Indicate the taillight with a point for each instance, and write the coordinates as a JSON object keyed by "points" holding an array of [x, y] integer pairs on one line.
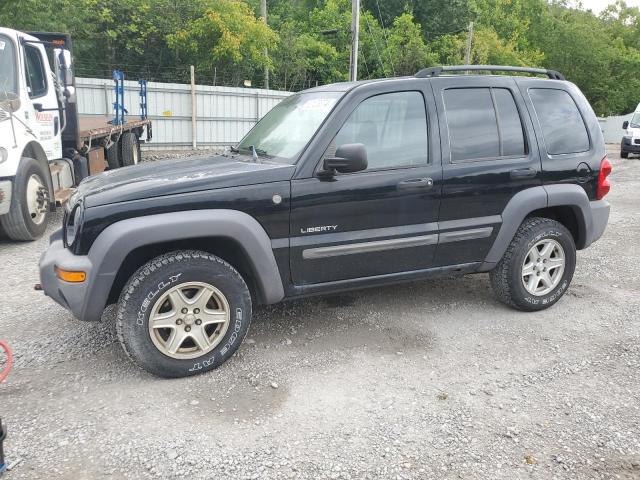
{"points": [[603, 182]]}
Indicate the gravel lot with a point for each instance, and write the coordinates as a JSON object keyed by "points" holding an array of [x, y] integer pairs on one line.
{"points": [[433, 379]]}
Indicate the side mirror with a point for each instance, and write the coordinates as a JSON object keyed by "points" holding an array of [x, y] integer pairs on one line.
{"points": [[9, 102], [349, 158], [625, 124], [64, 72]]}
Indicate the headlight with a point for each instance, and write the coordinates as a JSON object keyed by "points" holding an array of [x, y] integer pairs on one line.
{"points": [[72, 224], [3, 154]]}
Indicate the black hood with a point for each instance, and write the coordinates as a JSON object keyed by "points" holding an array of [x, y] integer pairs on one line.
{"points": [[170, 177]]}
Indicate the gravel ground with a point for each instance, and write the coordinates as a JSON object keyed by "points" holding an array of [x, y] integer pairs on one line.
{"points": [[433, 379]]}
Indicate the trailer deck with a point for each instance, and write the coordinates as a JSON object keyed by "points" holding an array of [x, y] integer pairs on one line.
{"points": [[93, 127]]}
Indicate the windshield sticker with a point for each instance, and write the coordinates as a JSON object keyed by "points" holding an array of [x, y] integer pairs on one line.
{"points": [[2, 44], [317, 104]]}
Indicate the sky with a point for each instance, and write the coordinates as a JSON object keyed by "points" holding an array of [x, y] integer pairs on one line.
{"points": [[598, 5]]}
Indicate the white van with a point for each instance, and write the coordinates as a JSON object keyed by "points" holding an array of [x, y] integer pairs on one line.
{"points": [[631, 139]]}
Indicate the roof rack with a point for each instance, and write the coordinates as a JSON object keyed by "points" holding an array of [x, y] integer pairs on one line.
{"points": [[435, 71]]}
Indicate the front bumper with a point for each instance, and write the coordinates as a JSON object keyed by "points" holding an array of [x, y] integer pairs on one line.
{"points": [[629, 145], [599, 218], [72, 296], [5, 196]]}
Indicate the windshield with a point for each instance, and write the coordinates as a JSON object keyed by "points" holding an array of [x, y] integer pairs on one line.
{"points": [[7, 66], [635, 120], [287, 128]]}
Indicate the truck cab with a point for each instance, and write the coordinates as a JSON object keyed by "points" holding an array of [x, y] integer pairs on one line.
{"points": [[33, 100], [45, 148], [631, 139]]}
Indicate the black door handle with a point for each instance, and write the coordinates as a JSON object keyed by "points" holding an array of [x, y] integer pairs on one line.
{"points": [[416, 183], [523, 173]]}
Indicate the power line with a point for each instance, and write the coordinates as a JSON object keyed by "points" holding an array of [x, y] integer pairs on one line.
{"points": [[375, 45], [386, 39]]}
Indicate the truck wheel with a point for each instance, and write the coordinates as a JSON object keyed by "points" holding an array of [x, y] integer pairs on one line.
{"points": [[183, 313], [29, 214], [113, 156], [130, 149], [537, 267], [624, 154]]}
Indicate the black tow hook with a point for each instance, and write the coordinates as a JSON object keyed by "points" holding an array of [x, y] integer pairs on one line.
{"points": [[3, 435]]}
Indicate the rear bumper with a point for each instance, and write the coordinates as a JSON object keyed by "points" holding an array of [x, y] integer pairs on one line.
{"points": [[599, 218], [72, 296]]}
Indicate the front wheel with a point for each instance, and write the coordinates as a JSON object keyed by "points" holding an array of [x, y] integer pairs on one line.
{"points": [[624, 154], [537, 267], [28, 214], [183, 313]]}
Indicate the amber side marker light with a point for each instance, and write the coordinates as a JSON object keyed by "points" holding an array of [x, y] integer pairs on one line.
{"points": [[69, 276]]}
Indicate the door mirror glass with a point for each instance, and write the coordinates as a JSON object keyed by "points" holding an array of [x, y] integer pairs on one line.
{"points": [[349, 158], [625, 124]]}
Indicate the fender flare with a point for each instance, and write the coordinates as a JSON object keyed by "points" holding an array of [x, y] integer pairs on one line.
{"points": [[119, 239], [535, 198]]}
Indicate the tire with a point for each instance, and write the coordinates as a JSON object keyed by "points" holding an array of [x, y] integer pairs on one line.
{"points": [[624, 154], [22, 223], [148, 293], [507, 277], [130, 149], [113, 156]]}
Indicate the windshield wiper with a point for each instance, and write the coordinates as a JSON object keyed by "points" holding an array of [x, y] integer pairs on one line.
{"points": [[234, 149]]}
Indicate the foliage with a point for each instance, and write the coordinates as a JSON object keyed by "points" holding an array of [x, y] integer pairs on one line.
{"points": [[308, 41]]}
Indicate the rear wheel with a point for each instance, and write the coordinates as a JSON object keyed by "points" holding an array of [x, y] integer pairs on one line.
{"points": [[29, 214], [183, 313], [537, 267], [113, 155], [130, 149]]}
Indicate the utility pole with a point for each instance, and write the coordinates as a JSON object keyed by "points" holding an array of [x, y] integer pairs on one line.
{"points": [[355, 30], [263, 12], [467, 54]]}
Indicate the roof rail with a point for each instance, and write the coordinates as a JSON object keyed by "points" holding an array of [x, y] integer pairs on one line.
{"points": [[435, 71]]}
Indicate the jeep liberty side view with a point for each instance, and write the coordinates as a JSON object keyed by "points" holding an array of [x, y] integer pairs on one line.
{"points": [[339, 187]]}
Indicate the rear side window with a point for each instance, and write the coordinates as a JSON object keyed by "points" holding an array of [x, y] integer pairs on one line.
{"points": [[393, 129], [562, 125], [36, 82], [483, 123]]}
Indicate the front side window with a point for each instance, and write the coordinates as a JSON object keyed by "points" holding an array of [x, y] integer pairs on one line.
{"points": [[8, 78], [635, 120], [562, 125], [393, 129], [283, 132], [483, 124], [36, 79]]}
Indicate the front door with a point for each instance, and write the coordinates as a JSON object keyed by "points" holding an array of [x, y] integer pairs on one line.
{"points": [[378, 221], [44, 120]]}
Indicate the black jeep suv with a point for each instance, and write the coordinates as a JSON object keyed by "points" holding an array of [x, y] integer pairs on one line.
{"points": [[339, 187]]}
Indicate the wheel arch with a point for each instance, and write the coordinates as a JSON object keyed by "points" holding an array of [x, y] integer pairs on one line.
{"points": [[34, 150], [233, 235], [566, 203]]}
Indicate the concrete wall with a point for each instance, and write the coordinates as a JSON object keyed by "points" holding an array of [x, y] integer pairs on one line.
{"points": [[224, 114]]}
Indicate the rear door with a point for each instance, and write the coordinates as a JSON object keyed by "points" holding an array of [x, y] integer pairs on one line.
{"points": [[489, 154], [381, 220]]}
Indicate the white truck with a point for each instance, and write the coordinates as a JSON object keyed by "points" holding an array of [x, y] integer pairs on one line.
{"points": [[631, 138], [46, 149]]}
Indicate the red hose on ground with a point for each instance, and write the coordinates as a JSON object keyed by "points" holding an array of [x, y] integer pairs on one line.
{"points": [[9, 362]]}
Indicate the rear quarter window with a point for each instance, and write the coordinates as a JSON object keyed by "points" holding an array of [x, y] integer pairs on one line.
{"points": [[562, 124]]}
